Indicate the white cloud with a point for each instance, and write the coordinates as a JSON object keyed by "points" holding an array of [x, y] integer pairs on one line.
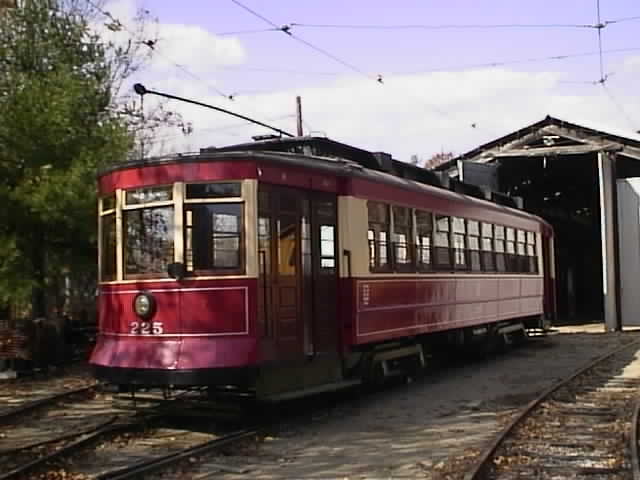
{"points": [[631, 64], [413, 114], [187, 45], [197, 48]]}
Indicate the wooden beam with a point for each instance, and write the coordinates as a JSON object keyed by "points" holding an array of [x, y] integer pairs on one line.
{"points": [[572, 134], [547, 151], [607, 185]]}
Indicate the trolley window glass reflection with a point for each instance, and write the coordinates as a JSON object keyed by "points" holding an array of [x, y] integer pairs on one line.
{"points": [[148, 240]]}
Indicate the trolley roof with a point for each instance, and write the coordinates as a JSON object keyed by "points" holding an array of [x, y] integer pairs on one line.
{"points": [[336, 158]]}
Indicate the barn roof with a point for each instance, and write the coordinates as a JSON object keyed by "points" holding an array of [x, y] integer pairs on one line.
{"points": [[549, 136]]}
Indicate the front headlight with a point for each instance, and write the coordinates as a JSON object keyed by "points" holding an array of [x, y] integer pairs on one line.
{"points": [[144, 305]]}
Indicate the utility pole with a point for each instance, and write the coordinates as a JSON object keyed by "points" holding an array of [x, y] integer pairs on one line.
{"points": [[299, 115]]}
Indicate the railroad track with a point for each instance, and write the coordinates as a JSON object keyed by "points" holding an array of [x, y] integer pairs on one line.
{"points": [[585, 426], [119, 450], [24, 407]]}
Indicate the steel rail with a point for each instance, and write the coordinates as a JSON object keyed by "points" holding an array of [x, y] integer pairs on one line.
{"points": [[91, 437], [482, 462], [633, 440], [68, 436], [35, 404], [148, 466]]}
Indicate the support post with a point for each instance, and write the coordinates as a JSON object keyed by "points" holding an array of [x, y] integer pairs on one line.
{"points": [[606, 182], [299, 115]]}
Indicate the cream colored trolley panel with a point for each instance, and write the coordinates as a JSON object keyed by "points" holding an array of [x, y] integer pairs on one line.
{"points": [[178, 222], [250, 196], [352, 236], [100, 240], [540, 253], [119, 235]]}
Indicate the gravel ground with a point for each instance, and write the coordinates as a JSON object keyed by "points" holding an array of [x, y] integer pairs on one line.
{"points": [[419, 430]]}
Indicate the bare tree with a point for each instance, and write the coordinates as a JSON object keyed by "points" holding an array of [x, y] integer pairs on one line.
{"points": [[438, 159]]}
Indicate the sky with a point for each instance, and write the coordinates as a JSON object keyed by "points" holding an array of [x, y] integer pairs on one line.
{"points": [[443, 89]]}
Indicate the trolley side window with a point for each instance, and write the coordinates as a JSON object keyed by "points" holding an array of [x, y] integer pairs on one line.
{"points": [[401, 239], [488, 259], [378, 236], [441, 243], [473, 244], [459, 247], [531, 252], [511, 259], [498, 231], [424, 232], [521, 251]]}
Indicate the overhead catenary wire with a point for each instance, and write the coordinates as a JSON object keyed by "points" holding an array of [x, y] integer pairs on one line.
{"points": [[119, 25], [479, 26], [286, 29], [600, 27], [604, 77], [221, 128], [346, 26], [445, 68], [630, 122], [247, 32]]}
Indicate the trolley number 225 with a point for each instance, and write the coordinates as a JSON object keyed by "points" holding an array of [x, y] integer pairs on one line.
{"points": [[146, 328]]}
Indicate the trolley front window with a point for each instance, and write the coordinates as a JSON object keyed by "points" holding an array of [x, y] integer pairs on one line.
{"points": [[148, 241], [213, 237]]}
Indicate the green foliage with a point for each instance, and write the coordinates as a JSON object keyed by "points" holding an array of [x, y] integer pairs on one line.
{"points": [[58, 124]]}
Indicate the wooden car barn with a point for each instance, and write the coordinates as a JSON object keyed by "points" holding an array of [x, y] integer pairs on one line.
{"points": [[579, 180]]}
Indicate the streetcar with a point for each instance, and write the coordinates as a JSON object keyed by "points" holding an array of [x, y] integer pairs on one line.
{"points": [[283, 267]]}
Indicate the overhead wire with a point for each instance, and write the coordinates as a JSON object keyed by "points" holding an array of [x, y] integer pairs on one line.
{"points": [[119, 25], [286, 29], [495, 26], [436, 27], [630, 121], [223, 128], [447, 68], [599, 29], [246, 32], [604, 77], [519, 61], [152, 46]]}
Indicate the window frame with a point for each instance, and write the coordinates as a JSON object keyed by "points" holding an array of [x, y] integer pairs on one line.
{"points": [[487, 253], [419, 235], [437, 265], [474, 260], [409, 265], [457, 232], [242, 234], [375, 267], [105, 214], [142, 207]]}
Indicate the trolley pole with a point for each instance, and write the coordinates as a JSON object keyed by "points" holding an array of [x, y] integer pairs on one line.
{"points": [[299, 115], [142, 90]]}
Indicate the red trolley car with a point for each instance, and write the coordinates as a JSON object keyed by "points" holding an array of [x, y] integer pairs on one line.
{"points": [[296, 265]]}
